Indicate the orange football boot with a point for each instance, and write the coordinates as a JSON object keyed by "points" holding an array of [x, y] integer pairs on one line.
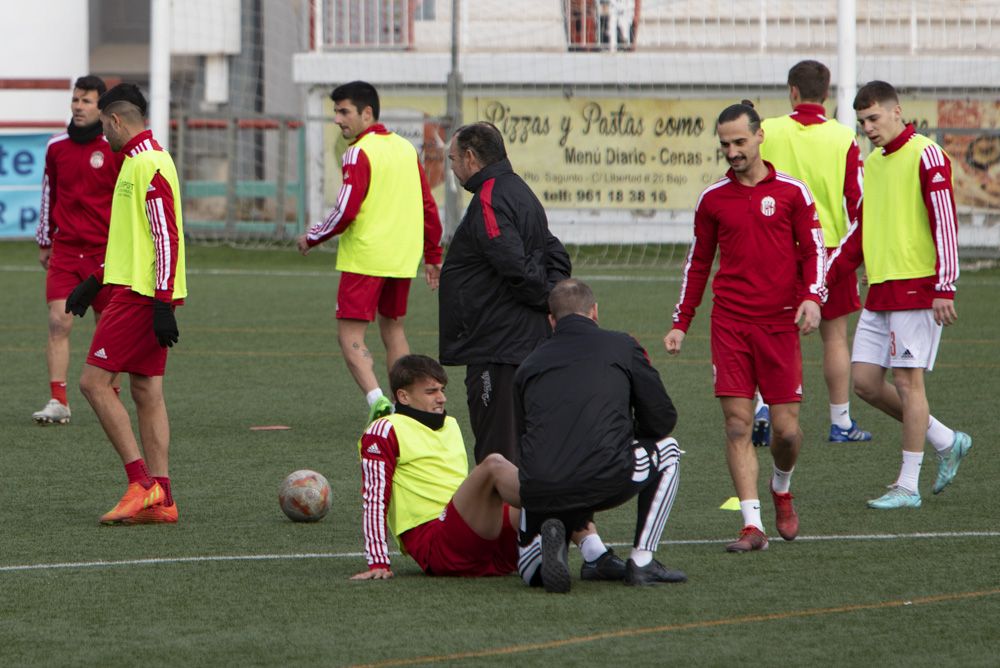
{"points": [[136, 499], [160, 514]]}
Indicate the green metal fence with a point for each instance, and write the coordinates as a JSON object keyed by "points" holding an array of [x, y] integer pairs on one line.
{"points": [[241, 177]]}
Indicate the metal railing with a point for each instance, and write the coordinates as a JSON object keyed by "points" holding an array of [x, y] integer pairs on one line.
{"points": [[601, 25], [374, 24], [898, 26], [257, 186]]}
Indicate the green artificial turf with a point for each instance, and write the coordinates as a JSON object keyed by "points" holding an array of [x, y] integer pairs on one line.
{"points": [[236, 583]]}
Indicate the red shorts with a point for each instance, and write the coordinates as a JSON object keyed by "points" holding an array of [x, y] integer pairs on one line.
{"points": [[358, 296], [124, 339], [68, 268], [447, 546], [842, 297], [746, 356]]}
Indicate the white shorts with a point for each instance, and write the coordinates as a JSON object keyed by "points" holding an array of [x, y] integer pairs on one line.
{"points": [[905, 339]]}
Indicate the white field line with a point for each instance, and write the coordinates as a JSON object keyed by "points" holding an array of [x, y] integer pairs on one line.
{"points": [[360, 555], [183, 560]]}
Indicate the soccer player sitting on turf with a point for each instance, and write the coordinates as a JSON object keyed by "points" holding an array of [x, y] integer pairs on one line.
{"points": [[597, 423], [415, 478]]}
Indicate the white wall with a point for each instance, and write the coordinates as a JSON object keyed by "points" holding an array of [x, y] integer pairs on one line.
{"points": [[42, 39]]}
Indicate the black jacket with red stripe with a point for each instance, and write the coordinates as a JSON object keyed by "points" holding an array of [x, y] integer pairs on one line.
{"points": [[497, 273]]}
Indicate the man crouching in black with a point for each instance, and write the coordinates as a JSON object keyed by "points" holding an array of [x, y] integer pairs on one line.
{"points": [[597, 423]]}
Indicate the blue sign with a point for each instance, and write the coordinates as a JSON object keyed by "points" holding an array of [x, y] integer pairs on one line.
{"points": [[19, 213], [22, 165]]}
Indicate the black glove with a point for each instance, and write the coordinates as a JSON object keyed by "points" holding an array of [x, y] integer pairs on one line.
{"points": [[79, 300], [164, 324]]}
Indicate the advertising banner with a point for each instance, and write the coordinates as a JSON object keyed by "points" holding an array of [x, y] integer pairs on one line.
{"points": [[656, 154], [22, 163]]}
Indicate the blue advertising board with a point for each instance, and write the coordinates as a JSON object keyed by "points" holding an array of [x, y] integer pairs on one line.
{"points": [[22, 164]]}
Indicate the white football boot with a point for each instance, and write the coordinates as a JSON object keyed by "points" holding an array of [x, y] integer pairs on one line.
{"points": [[53, 413]]}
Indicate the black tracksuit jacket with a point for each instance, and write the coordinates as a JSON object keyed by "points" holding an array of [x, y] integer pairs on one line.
{"points": [[497, 274], [585, 394]]}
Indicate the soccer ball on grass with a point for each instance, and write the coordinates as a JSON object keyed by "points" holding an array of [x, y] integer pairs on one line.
{"points": [[305, 496]]}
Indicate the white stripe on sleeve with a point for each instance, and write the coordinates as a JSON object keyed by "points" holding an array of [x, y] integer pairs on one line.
{"points": [[161, 241], [819, 287], [43, 232], [945, 240], [374, 512], [684, 280], [336, 214]]}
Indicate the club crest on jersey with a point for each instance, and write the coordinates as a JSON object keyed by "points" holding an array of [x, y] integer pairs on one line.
{"points": [[767, 206], [96, 159]]}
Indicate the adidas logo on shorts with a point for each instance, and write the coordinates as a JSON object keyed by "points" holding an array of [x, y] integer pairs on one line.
{"points": [[907, 355], [100, 354]]}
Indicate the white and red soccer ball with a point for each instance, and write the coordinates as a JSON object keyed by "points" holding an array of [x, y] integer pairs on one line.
{"points": [[305, 496]]}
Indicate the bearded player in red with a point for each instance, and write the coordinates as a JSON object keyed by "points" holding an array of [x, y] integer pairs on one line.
{"points": [[765, 227]]}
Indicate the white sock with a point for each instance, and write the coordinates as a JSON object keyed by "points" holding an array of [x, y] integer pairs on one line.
{"points": [[373, 396], [751, 513], [529, 559], [760, 402], [840, 415], [781, 481], [641, 557], [909, 472], [592, 547], [939, 435]]}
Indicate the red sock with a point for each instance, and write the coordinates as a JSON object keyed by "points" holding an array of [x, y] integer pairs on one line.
{"points": [[58, 389], [165, 484], [137, 472]]}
